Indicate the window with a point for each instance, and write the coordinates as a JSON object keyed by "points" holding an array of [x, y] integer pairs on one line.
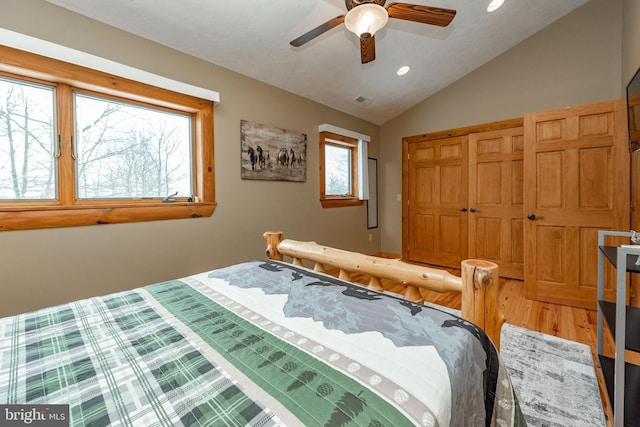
{"points": [[27, 159], [129, 151], [338, 170], [80, 147]]}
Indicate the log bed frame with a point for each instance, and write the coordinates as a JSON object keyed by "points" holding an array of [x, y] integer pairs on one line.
{"points": [[479, 282]]}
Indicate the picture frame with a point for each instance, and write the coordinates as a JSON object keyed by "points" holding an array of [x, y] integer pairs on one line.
{"points": [[272, 154]]}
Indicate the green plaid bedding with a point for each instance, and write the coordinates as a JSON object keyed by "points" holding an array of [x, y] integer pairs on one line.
{"points": [[225, 348]]}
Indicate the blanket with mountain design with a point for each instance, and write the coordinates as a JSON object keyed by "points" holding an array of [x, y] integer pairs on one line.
{"points": [[260, 343]]}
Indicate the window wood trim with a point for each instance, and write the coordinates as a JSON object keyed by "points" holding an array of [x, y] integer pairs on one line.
{"points": [[339, 201], [67, 211]]}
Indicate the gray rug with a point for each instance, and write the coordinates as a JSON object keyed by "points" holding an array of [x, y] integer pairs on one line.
{"points": [[554, 378]]}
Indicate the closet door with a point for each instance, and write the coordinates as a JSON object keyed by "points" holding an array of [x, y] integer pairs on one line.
{"points": [[496, 224], [437, 201], [576, 182]]}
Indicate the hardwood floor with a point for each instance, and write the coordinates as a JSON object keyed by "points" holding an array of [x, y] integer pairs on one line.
{"points": [[575, 324]]}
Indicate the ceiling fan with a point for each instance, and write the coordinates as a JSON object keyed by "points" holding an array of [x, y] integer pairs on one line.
{"points": [[365, 17]]}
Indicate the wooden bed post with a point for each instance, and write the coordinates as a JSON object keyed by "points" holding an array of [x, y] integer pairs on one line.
{"points": [[273, 239], [480, 286]]}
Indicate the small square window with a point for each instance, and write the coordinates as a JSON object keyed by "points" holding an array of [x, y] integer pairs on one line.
{"points": [[338, 170], [338, 173]]}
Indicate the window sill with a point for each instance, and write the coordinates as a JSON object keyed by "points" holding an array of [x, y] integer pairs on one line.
{"points": [[339, 203], [28, 218]]}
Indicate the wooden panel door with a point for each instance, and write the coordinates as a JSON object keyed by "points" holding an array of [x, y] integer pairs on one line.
{"points": [[437, 202], [576, 182], [496, 225]]}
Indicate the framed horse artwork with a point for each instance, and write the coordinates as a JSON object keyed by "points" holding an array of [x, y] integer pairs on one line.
{"points": [[272, 154]]}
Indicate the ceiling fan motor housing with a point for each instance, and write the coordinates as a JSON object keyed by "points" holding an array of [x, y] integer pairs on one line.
{"points": [[350, 4]]}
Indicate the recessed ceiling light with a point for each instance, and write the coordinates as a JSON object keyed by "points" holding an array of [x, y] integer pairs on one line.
{"points": [[403, 70], [494, 5]]}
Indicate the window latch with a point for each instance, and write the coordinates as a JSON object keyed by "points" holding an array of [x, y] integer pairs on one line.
{"points": [[171, 198]]}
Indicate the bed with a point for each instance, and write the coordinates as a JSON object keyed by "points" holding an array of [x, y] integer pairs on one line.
{"points": [[264, 343]]}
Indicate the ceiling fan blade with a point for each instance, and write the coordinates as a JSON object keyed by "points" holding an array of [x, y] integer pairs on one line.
{"points": [[367, 48], [423, 14], [320, 29]]}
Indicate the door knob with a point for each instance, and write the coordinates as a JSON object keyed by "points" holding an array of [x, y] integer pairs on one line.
{"points": [[463, 210], [472, 210], [531, 216]]}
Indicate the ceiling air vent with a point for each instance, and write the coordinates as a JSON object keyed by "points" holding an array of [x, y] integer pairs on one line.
{"points": [[361, 99]]}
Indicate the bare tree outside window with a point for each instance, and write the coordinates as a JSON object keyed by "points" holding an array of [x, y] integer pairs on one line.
{"points": [[27, 142], [72, 156], [338, 170], [129, 151]]}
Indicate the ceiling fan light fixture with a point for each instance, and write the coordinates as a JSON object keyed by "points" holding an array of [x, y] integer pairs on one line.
{"points": [[366, 19]]}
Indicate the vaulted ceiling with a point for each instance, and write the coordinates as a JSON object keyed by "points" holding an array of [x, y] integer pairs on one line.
{"points": [[252, 38]]}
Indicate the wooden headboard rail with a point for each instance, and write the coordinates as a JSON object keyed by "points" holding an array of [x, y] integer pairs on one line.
{"points": [[479, 283]]}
